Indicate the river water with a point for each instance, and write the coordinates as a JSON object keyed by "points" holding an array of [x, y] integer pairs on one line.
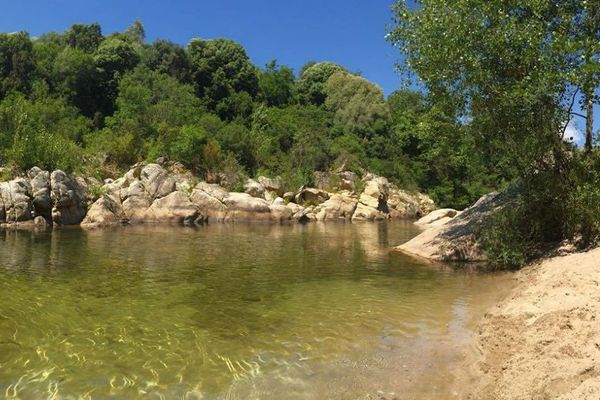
{"points": [[317, 311]]}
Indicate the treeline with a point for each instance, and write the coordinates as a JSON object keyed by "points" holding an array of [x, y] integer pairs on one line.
{"points": [[80, 100]]}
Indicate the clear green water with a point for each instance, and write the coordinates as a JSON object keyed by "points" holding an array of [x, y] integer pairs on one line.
{"points": [[228, 311]]}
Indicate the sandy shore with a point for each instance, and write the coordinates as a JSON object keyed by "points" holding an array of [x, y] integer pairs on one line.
{"points": [[543, 340]]}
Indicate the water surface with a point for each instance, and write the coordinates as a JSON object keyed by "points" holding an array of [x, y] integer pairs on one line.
{"points": [[229, 311]]}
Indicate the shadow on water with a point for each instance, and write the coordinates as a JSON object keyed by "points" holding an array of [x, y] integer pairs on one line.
{"points": [[229, 311]]}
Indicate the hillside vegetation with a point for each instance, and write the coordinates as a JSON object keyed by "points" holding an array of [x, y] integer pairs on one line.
{"points": [[95, 104]]}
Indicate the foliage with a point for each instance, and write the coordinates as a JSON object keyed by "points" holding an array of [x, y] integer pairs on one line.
{"points": [[313, 79], [111, 101], [506, 72]]}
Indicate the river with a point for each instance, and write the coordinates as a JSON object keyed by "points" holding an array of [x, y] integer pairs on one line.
{"points": [[317, 311]]}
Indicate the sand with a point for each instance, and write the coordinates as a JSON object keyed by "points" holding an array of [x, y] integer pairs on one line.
{"points": [[543, 340]]}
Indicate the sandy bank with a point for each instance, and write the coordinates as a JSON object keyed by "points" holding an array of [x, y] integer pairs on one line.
{"points": [[543, 340]]}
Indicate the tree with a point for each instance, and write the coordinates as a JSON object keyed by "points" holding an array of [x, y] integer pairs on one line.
{"points": [[358, 105], [16, 62], [86, 38], [277, 85], [311, 87], [113, 58], [168, 58], [221, 68], [74, 76]]}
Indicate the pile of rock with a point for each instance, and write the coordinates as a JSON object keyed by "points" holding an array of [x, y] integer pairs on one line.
{"points": [[151, 193]]}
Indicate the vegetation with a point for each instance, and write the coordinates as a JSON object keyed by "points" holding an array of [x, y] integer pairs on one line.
{"points": [[80, 100], [511, 72]]}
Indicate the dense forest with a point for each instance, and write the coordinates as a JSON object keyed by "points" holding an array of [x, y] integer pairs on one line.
{"points": [[94, 104]]}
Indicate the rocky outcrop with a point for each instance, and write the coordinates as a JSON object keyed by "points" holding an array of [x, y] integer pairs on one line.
{"points": [[153, 193], [42, 199], [455, 238]]}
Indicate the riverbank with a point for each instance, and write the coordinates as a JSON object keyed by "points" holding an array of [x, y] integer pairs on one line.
{"points": [[543, 340], [168, 193]]}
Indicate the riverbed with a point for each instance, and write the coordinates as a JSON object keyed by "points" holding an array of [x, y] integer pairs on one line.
{"points": [[232, 312]]}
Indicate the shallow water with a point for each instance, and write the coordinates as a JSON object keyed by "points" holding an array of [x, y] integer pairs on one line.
{"points": [[230, 311]]}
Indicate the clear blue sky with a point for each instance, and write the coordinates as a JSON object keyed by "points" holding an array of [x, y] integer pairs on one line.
{"points": [[349, 32]]}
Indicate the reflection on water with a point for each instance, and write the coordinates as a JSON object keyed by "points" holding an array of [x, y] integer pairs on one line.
{"points": [[228, 311]]}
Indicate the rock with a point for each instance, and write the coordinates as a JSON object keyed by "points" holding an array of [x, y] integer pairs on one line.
{"points": [[16, 200], [40, 189], [243, 207], [278, 202], [174, 208], [135, 202], [403, 205], [289, 196], [210, 206], [444, 214], [311, 196], [41, 223], [69, 196], [213, 190], [366, 213], [456, 240], [272, 185], [254, 189], [280, 213], [156, 181], [105, 211], [339, 206]]}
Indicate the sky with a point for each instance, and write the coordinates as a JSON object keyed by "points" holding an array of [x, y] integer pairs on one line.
{"points": [[348, 32]]}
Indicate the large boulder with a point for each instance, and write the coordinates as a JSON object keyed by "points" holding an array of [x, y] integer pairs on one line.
{"points": [[272, 184], [135, 202], [105, 211], [457, 240], [174, 208], [209, 199], [254, 189], [69, 197], [156, 181], [280, 213], [16, 201], [367, 213], [311, 197], [40, 191], [339, 206], [243, 207]]}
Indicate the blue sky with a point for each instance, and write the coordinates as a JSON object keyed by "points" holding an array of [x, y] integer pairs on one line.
{"points": [[349, 32]]}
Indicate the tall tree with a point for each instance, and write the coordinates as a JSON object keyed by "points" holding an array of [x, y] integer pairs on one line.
{"points": [[220, 69]]}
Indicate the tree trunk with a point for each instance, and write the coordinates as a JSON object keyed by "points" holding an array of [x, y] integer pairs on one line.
{"points": [[589, 123]]}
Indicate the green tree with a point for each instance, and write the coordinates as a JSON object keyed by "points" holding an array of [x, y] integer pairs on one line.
{"points": [[313, 80], [113, 58], [220, 69], [86, 38], [358, 106], [277, 85], [168, 58], [17, 63]]}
